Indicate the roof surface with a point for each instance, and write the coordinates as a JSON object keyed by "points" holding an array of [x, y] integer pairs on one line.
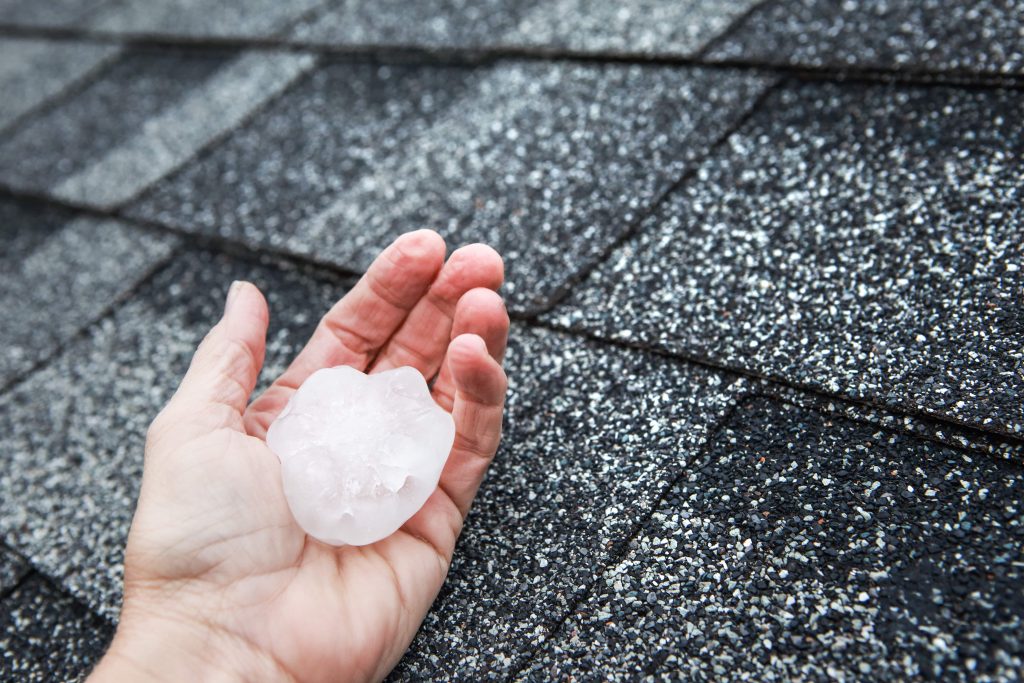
{"points": [[764, 260]]}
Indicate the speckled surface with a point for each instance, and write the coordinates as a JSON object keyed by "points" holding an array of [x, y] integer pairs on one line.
{"points": [[733, 295], [51, 14], [141, 118], [511, 164], [32, 71], [74, 431], [301, 153], [901, 35], [101, 260], [200, 18], [594, 434], [652, 27], [679, 28], [47, 636], [800, 547], [863, 241], [426, 23]]}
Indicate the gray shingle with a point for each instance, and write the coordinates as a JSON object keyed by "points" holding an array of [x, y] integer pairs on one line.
{"points": [[49, 14], [32, 71], [146, 115], [805, 548], [549, 163], [863, 241], [593, 435], [199, 18], [298, 155], [74, 431], [678, 28], [426, 23], [48, 636], [985, 36], [58, 273]]}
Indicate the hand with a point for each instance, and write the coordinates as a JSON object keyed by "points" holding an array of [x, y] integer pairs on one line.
{"points": [[220, 582]]}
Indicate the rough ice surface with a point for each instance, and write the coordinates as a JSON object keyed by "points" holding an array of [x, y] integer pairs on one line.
{"points": [[360, 454]]}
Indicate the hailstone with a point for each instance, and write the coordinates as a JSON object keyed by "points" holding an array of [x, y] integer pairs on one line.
{"points": [[360, 454]]}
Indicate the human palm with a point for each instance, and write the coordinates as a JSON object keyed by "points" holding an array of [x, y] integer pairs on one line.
{"points": [[220, 581]]}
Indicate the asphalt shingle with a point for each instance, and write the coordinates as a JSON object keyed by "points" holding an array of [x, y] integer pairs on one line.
{"points": [[296, 157], [32, 71], [43, 306], [666, 28], [980, 37], [860, 240], [513, 162], [49, 14], [594, 433], [800, 547], [144, 116], [650, 27], [427, 23], [200, 18], [74, 431], [48, 636]]}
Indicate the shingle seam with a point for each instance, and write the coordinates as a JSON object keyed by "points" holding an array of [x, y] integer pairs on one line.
{"points": [[205, 241], [805, 389], [91, 180], [633, 229], [742, 401], [244, 249], [68, 92], [733, 27], [108, 311], [476, 56], [202, 151], [621, 549]]}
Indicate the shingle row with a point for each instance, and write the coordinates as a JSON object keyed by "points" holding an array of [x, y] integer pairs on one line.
{"points": [[979, 38]]}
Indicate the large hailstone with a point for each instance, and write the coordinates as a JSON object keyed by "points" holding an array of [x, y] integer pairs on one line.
{"points": [[360, 454]]}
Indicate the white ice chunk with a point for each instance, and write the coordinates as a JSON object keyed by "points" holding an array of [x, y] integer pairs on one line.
{"points": [[360, 454]]}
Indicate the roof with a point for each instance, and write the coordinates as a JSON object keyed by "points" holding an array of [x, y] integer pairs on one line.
{"points": [[764, 261]]}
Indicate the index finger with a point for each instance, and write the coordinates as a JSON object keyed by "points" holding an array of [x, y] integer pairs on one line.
{"points": [[356, 327]]}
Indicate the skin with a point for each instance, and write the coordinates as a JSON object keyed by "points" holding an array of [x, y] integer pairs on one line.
{"points": [[220, 582]]}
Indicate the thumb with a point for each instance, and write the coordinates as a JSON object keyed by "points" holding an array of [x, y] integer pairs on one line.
{"points": [[225, 367]]}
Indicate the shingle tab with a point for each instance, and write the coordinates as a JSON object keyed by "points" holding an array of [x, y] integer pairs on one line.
{"points": [[47, 636], [549, 163], [149, 113], [32, 71], [425, 23], [593, 435], [802, 547], [49, 14], [985, 36], [678, 28], [74, 431], [297, 156], [861, 240], [58, 273], [200, 18]]}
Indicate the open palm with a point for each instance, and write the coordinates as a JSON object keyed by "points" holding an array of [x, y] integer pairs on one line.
{"points": [[220, 582]]}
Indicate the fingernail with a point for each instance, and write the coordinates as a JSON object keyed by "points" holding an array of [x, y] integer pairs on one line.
{"points": [[233, 290]]}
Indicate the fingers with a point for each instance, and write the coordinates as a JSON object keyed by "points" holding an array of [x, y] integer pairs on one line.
{"points": [[225, 367], [423, 337], [355, 328], [480, 312], [480, 386]]}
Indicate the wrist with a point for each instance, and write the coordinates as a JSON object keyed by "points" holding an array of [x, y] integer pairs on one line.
{"points": [[165, 648]]}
